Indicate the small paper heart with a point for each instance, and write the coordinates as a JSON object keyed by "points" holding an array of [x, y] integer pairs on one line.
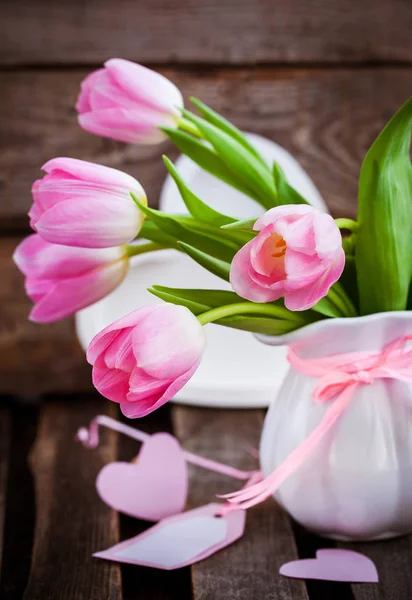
{"points": [[152, 488], [333, 564]]}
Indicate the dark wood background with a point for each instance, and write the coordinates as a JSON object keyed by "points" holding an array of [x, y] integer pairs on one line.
{"points": [[321, 77]]}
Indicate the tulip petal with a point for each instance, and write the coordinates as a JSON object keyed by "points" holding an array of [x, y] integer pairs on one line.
{"points": [[37, 258], [244, 284], [286, 211], [119, 354], [306, 297], [168, 341], [94, 222], [66, 297], [127, 125], [302, 269], [100, 341], [145, 86], [327, 235], [111, 383], [92, 172], [141, 408], [83, 104]]}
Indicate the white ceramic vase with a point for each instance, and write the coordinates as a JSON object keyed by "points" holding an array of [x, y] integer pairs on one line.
{"points": [[357, 485]]}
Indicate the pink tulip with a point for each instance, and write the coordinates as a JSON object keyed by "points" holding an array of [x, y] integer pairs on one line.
{"points": [[144, 359], [87, 205], [128, 102], [62, 280], [297, 254]]}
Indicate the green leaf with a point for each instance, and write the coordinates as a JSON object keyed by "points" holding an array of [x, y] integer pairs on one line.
{"points": [[196, 207], [206, 298], [286, 194], [243, 165], [200, 301], [383, 251], [218, 267], [206, 158], [244, 225], [218, 121], [150, 231], [222, 248]]}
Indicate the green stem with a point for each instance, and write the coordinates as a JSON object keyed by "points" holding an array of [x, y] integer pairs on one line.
{"points": [[135, 249], [348, 224], [189, 127], [269, 310]]}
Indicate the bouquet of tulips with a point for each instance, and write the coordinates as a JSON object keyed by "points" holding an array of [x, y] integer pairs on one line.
{"points": [[288, 267]]}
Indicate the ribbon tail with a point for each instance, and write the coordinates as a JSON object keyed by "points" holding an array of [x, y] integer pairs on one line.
{"points": [[259, 492]]}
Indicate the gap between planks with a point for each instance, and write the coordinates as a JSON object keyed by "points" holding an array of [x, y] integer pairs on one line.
{"points": [[5, 441], [71, 522], [249, 568]]}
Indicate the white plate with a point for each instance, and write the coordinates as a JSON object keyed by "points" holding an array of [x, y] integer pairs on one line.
{"points": [[236, 369]]}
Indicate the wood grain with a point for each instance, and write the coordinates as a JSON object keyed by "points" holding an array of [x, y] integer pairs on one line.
{"points": [[205, 31], [34, 359], [247, 569], [393, 561], [5, 439], [326, 119], [71, 521]]}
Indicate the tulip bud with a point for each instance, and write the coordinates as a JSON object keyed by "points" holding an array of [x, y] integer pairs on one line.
{"points": [[83, 204], [62, 280], [128, 102]]}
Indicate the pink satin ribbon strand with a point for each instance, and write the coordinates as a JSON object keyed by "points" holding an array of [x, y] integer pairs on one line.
{"points": [[89, 437], [339, 376]]}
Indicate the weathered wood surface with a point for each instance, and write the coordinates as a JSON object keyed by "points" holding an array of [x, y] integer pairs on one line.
{"points": [[249, 568], [71, 522], [393, 561], [205, 31], [34, 359], [326, 119], [5, 441]]}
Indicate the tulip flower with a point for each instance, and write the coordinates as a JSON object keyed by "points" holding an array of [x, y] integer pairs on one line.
{"points": [[297, 254], [78, 203], [128, 102], [143, 359], [62, 280]]}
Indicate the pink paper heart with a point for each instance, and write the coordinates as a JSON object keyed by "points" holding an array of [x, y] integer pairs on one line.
{"points": [[333, 564], [152, 488]]}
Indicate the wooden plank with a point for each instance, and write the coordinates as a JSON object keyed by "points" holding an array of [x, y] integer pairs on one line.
{"points": [[19, 516], [34, 359], [249, 568], [5, 439], [393, 561], [205, 31], [71, 521], [140, 582], [327, 119]]}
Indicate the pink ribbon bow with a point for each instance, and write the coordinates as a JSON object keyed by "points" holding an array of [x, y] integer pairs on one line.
{"points": [[339, 377]]}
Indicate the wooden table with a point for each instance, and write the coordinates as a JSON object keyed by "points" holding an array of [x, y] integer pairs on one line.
{"points": [[321, 77]]}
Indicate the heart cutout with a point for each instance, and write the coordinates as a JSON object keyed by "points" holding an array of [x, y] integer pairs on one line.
{"points": [[152, 488], [333, 564]]}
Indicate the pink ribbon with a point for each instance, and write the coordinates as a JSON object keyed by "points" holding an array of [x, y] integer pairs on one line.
{"points": [[339, 378], [89, 437]]}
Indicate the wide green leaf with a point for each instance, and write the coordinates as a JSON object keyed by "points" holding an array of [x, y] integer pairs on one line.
{"points": [[206, 158], [215, 119], [222, 248], [383, 251], [200, 301], [243, 165], [286, 194], [218, 267], [243, 225], [196, 207]]}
